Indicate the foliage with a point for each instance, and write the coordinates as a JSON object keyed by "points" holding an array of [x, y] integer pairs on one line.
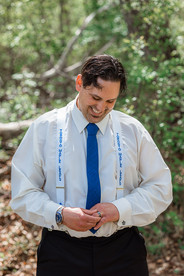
{"points": [[147, 36]]}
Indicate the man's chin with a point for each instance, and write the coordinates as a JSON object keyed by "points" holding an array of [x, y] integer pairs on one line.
{"points": [[95, 119]]}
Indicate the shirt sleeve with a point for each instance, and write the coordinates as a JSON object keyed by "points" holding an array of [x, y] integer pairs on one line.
{"points": [[28, 197], [153, 194]]}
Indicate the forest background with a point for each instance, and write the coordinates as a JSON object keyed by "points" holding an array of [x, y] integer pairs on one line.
{"points": [[42, 46]]}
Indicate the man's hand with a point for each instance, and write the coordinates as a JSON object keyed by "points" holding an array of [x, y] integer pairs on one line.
{"points": [[108, 211], [80, 219]]}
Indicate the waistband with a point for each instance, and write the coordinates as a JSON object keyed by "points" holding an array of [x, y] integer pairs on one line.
{"points": [[90, 239]]}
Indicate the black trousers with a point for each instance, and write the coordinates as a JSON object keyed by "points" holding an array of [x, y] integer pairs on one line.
{"points": [[122, 254]]}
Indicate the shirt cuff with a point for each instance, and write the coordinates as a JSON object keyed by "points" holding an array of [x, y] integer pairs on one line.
{"points": [[125, 212], [50, 215]]}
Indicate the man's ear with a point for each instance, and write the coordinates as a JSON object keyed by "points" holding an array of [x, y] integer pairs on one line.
{"points": [[78, 83]]}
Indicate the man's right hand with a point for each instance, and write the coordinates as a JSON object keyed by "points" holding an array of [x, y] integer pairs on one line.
{"points": [[80, 219]]}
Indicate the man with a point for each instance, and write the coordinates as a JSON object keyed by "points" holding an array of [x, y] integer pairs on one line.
{"points": [[90, 175]]}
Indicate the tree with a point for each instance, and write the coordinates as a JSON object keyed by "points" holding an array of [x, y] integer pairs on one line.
{"points": [[43, 44]]}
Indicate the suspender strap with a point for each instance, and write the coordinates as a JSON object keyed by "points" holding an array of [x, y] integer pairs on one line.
{"points": [[118, 137], [60, 140]]}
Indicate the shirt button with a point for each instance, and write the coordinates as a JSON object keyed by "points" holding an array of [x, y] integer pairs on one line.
{"points": [[123, 222]]}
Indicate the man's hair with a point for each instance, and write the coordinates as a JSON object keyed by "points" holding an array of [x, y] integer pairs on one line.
{"points": [[105, 67]]}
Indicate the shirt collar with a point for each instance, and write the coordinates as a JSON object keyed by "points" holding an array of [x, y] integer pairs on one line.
{"points": [[81, 122]]}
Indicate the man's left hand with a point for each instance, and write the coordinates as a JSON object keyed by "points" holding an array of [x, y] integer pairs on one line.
{"points": [[108, 212]]}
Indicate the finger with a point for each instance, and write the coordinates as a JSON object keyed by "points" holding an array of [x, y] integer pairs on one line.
{"points": [[91, 225], [89, 212], [90, 218], [99, 213], [88, 225], [96, 206], [94, 219], [99, 224], [96, 215]]}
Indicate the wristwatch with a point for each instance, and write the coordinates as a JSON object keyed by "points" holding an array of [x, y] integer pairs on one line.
{"points": [[59, 216]]}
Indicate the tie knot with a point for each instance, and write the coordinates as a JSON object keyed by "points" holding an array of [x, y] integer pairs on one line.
{"points": [[92, 129]]}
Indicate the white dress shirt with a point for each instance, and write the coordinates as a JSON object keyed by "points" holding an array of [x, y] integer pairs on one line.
{"points": [[147, 180]]}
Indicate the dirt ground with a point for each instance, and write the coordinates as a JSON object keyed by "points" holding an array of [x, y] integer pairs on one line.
{"points": [[19, 241]]}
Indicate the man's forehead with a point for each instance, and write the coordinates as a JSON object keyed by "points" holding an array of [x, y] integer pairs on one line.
{"points": [[101, 82]]}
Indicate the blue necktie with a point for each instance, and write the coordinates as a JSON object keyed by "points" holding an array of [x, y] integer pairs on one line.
{"points": [[94, 190]]}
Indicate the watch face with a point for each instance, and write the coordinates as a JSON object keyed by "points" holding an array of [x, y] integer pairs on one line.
{"points": [[58, 217]]}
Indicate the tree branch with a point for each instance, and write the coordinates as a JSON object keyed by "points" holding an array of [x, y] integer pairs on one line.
{"points": [[100, 51], [10, 130], [106, 46], [61, 62]]}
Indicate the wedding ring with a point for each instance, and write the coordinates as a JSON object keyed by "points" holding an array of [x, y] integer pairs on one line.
{"points": [[100, 215]]}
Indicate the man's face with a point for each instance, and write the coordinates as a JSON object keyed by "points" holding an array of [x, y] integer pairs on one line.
{"points": [[95, 103]]}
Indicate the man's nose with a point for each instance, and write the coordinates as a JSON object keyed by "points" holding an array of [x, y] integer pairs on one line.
{"points": [[101, 106]]}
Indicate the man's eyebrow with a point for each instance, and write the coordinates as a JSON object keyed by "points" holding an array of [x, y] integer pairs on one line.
{"points": [[97, 96], [112, 99], [99, 86]]}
